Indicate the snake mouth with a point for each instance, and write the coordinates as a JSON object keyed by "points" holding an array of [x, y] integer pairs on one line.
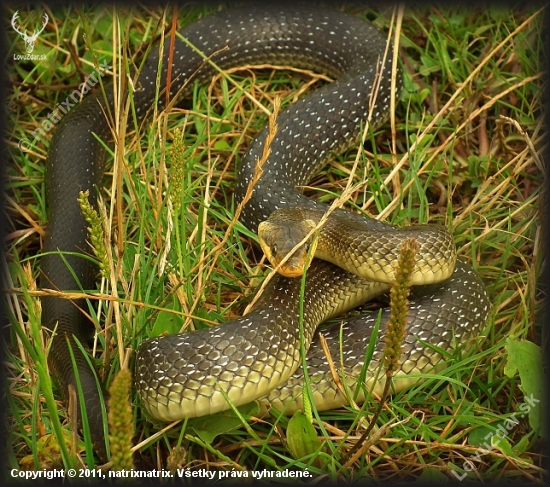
{"points": [[281, 235], [291, 270], [293, 267]]}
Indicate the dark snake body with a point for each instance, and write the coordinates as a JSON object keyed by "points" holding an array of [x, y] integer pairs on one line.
{"points": [[346, 48]]}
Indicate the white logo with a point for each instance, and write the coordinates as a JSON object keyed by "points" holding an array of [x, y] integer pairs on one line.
{"points": [[29, 39]]}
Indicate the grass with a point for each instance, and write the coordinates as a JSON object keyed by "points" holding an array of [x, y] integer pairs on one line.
{"points": [[468, 139]]}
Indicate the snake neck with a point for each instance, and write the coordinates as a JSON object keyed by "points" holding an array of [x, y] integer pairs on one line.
{"points": [[307, 142]]}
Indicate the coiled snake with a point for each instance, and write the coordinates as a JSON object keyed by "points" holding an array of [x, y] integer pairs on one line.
{"points": [[191, 374]]}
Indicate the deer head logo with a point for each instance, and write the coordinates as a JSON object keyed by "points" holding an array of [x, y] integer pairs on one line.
{"points": [[29, 40]]}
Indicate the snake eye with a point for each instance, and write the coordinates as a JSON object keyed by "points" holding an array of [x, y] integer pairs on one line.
{"points": [[274, 249]]}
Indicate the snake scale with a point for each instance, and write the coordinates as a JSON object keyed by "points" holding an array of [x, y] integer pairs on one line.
{"points": [[190, 374]]}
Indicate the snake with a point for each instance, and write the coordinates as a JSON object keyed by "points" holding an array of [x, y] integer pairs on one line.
{"points": [[258, 357]]}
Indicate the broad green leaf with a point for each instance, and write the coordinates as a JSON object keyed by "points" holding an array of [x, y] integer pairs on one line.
{"points": [[301, 436], [488, 439], [481, 437], [102, 52], [167, 323], [208, 427], [221, 145], [525, 358], [504, 446], [431, 476]]}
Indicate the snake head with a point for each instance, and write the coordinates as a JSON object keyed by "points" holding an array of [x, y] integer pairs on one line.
{"points": [[279, 236]]}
